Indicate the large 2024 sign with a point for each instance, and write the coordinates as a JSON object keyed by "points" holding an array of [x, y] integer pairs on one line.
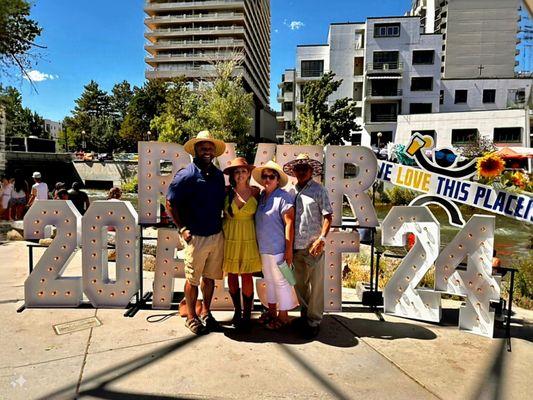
{"points": [[46, 287]]}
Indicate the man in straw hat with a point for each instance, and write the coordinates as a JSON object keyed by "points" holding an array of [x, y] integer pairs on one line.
{"points": [[313, 221], [195, 200]]}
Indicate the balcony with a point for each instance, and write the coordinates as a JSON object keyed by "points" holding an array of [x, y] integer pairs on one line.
{"points": [[379, 118], [152, 8], [377, 93], [188, 18], [190, 44], [381, 67], [186, 31]]}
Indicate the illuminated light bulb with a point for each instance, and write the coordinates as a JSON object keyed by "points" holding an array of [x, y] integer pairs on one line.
{"points": [[165, 261], [446, 278], [148, 162], [67, 293], [69, 234], [128, 282], [331, 265], [333, 166], [36, 221], [470, 283], [50, 269], [460, 246], [128, 269], [67, 221], [163, 151], [361, 208], [40, 294], [149, 151], [98, 217], [483, 229], [366, 220], [54, 293], [148, 187], [407, 278], [112, 294], [331, 290], [93, 228], [93, 241], [63, 247], [149, 201], [479, 289], [452, 256], [128, 241], [164, 274], [332, 178], [149, 175], [367, 170], [100, 291], [36, 232], [470, 235], [162, 299], [479, 274], [56, 212], [56, 258], [44, 212], [346, 186], [43, 280], [482, 244], [110, 212], [330, 303], [93, 268], [361, 158], [128, 256], [446, 268], [226, 298], [148, 214], [285, 154], [215, 299], [331, 277], [123, 218], [360, 183], [176, 269], [414, 266], [123, 292], [356, 196], [93, 281]]}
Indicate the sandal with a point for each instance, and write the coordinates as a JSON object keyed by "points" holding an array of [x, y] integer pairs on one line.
{"points": [[195, 326], [265, 318], [276, 324]]}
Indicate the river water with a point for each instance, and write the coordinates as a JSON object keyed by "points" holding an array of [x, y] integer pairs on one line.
{"points": [[512, 238]]}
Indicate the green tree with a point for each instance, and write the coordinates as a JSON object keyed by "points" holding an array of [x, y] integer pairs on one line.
{"points": [[17, 33], [93, 102], [321, 123], [146, 103], [121, 98], [179, 119], [20, 121], [227, 107]]}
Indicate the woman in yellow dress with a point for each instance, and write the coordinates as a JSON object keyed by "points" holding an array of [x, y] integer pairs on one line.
{"points": [[241, 255]]}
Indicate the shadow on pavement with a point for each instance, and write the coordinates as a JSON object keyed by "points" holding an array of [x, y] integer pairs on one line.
{"points": [[384, 329], [96, 384], [329, 334], [491, 386]]}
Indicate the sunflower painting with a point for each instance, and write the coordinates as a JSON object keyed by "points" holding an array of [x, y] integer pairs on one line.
{"points": [[490, 166]]}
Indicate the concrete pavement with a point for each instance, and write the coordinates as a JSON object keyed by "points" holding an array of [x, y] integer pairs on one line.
{"points": [[355, 356]]}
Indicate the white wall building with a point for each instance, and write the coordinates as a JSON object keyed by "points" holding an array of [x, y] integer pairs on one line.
{"points": [[53, 128]]}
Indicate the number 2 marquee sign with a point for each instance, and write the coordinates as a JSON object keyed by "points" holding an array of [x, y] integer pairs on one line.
{"points": [[45, 287]]}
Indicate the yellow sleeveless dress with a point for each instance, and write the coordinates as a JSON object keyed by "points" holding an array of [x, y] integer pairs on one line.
{"points": [[241, 255]]}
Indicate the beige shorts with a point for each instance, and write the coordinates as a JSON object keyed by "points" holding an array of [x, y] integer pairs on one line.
{"points": [[204, 256]]}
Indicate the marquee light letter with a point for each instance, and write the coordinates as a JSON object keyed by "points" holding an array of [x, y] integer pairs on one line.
{"points": [[265, 152], [337, 243], [475, 242], [286, 153], [401, 297], [354, 188], [166, 268], [152, 184], [101, 291], [44, 287]]}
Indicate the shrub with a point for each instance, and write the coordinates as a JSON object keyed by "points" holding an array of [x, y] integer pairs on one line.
{"points": [[399, 196], [131, 185]]}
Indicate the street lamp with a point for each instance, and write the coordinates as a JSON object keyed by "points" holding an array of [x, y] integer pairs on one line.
{"points": [[83, 144], [379, 135], [148, 134]]}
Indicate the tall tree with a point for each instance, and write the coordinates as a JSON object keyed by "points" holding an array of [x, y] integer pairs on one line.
{"points": [[20, 121], [179, 119], [93, 102], [146, 103], [121, 98], [320, 122], [17, 33]]}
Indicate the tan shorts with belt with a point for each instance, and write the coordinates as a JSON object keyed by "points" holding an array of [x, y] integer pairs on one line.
{"points": [[204, 256]]}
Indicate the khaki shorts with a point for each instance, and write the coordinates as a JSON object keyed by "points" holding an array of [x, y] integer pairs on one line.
{"points": [[204, 256]]}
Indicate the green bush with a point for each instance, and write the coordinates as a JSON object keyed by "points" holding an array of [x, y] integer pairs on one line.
{"points": [[399, 196], [131, 185], [523, 294]]}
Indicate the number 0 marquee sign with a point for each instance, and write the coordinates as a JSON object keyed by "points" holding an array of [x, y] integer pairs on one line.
{"points": [[46, 287]]}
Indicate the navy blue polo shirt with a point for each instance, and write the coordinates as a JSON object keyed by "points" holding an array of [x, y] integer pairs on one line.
{"points": [[199, 198]]}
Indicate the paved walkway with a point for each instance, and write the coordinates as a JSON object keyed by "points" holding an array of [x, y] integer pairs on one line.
{"points": [[355, 356]]}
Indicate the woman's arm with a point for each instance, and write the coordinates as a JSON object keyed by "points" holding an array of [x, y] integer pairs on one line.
{"points": [[288, 218]]}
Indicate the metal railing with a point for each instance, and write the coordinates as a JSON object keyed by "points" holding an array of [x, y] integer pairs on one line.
{"points": [[201, 28], [163, 18], [196, 42], [384, 92], [384, 118], [189, 3], [384, 66]]}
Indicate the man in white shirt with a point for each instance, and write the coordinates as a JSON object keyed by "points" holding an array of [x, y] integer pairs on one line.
{"points": [[39, 191]]}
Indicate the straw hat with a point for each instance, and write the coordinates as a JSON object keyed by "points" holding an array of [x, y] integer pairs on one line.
{"points": [[257, 171], [236, 163], [205, 136], [303, 159]]}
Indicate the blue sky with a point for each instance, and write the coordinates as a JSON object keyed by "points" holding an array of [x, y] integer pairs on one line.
{"points": [[103, 40]]}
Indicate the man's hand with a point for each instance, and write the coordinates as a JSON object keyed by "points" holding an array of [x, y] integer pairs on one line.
{"points": [[288, 255], [186, 235], [317, 248]]}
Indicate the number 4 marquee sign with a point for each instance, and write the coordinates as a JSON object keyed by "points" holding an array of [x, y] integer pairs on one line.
{"points": [[474, 281]]}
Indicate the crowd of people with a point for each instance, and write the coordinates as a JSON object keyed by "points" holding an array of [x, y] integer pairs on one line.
{"points": [[240, 230], [17, 195]]}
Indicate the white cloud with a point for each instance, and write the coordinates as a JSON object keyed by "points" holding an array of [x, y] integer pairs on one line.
{"points": [[294, 25], [276, 30], [38, 76]]}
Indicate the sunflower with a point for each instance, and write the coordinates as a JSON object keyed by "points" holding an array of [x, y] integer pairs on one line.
{"points": [[490, 166], [519, 180]]}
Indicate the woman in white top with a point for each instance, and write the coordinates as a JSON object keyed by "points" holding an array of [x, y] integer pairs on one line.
{"points": [[5, 193], [39, 191], [19, 197]]}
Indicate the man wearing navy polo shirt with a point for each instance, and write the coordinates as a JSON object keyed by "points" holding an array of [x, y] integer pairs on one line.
{"points": [[195, 200]]}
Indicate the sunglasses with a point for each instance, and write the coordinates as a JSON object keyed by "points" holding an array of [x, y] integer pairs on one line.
{"points": [[271, 177], [441, 155]]}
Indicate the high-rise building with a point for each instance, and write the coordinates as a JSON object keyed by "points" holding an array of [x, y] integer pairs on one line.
{"points": [[186, 38], [480, 37]]}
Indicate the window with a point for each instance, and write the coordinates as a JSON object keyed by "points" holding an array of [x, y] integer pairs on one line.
{"points": [[420, 108], [384, 112], [289, 86], [355, 138], [441, 97], [463, 136], [508, 135], [312, 68], [461, 96], [489, 95], [387, 30], [358, 66], [287, 106], [421, 84], [382, 58], [423, 56]]}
